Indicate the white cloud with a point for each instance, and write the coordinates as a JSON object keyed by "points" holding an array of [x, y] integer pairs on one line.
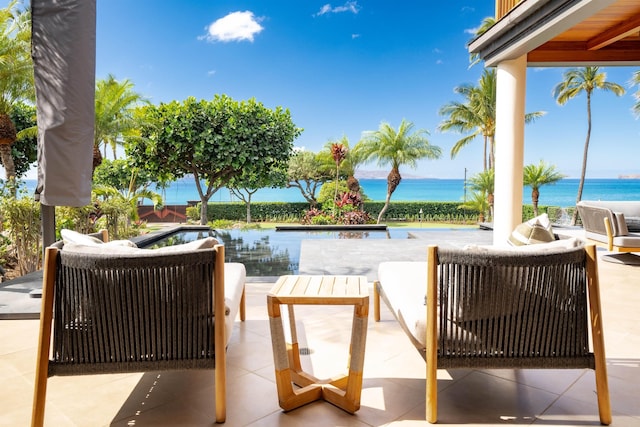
{"points": [[355, 36], [350, 6], [236, 26], [324, 9], [472, 31], [211, 72]]}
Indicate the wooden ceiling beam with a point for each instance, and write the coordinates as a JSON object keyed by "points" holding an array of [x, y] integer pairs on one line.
{"points": [[615, 33], [566, 52]]}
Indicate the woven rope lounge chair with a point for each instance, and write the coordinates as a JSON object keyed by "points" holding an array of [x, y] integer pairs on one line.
{"points": [[499, 309], [123, 312], [612, 224]]}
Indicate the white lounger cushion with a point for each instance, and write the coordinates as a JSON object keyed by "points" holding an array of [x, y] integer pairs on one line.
{"points": [[404, 286], [235, 277]]}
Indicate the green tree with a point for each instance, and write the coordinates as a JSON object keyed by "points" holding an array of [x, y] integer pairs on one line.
{"points": [[118, 173], [245, 185], [116, 104], [307, 172], [390, 147], [483, 183], [116, 202], [24, 151], [16, 75], [476, 116], [214, 141], [575, 82], [535, 176]]}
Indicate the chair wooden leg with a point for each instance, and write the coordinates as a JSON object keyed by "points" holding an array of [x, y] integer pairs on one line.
{"points": [[376, 301], [432, 335], [44, 343], [220, 377], [243, 306], [220, 339], [602, 384]]}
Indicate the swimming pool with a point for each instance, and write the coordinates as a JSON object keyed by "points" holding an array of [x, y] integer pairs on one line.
{"points": [[264, 252]]}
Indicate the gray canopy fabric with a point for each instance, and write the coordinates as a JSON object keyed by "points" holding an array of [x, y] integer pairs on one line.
{"points": [[63, 50]]}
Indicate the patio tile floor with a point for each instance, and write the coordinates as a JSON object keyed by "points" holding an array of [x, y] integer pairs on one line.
{"points": [[393, 391]]}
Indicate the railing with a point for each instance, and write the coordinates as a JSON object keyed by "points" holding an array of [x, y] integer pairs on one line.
{"points": [[504, 6]]}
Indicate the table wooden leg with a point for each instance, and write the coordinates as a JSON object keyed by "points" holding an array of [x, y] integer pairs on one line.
{"points": [[348, 398], [288, 398]]}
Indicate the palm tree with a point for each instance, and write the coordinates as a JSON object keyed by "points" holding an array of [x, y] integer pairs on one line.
{"points": [[487, 23], [403, 147], [125, 200], [16, 75], [115, 114], [476, 203], [576, 81], [476, 115], [535, 176], [635, 81], [483, 183]]}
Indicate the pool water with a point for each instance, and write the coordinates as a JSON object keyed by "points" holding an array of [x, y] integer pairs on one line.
{"points": [[269, 253]]}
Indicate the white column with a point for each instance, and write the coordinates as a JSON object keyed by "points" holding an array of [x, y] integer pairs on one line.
{"points": [[509, 150]]}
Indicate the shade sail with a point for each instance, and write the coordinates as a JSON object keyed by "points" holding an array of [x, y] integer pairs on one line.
{"points": [[63, 50]]}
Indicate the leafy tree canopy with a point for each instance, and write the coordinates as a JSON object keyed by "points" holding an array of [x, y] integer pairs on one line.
{"points": [[25, 150], [214, 141], [307, 172]]}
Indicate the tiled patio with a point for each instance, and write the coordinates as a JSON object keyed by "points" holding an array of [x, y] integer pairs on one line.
{"points": [[394, 376]]}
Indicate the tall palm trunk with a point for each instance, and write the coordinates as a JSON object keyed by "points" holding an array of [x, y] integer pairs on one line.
{"points": [[7, 138], [535, 197], [484, 155], [97, 157], [585, 153], [7, 161], [393, 180]]}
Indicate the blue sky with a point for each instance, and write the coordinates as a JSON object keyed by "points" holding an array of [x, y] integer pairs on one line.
{"points": [[342, 68]]}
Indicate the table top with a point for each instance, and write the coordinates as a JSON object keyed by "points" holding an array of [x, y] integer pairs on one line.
{"points": [[338, 290]]}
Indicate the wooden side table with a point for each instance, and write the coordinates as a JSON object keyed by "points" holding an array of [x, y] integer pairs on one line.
{"points": [[343, 391]]}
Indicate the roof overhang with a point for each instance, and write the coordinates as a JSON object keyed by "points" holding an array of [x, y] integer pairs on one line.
{"points": [[564, 33]]}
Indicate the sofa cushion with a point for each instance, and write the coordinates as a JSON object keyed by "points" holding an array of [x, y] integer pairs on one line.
{"points": [[71, 236], [633, 223], [205, 243], [568, 243], [620, 226], [402, 287], [536, 230]]}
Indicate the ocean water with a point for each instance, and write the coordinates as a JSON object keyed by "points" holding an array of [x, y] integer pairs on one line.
{"points": [[563, 193]]}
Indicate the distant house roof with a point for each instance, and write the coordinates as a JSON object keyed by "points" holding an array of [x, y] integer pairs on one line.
{"points": [[565, 33]]}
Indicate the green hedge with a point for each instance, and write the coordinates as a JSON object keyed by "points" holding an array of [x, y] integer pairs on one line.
{"points": [[260, 211], [398, 211], [431, 211]]}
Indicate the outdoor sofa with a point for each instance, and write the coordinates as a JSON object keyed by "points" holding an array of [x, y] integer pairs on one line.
{"points": [[485, 307], [614, 223]]}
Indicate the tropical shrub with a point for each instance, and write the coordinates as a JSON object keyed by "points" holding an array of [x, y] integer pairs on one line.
{"points": [[21, 222]]}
